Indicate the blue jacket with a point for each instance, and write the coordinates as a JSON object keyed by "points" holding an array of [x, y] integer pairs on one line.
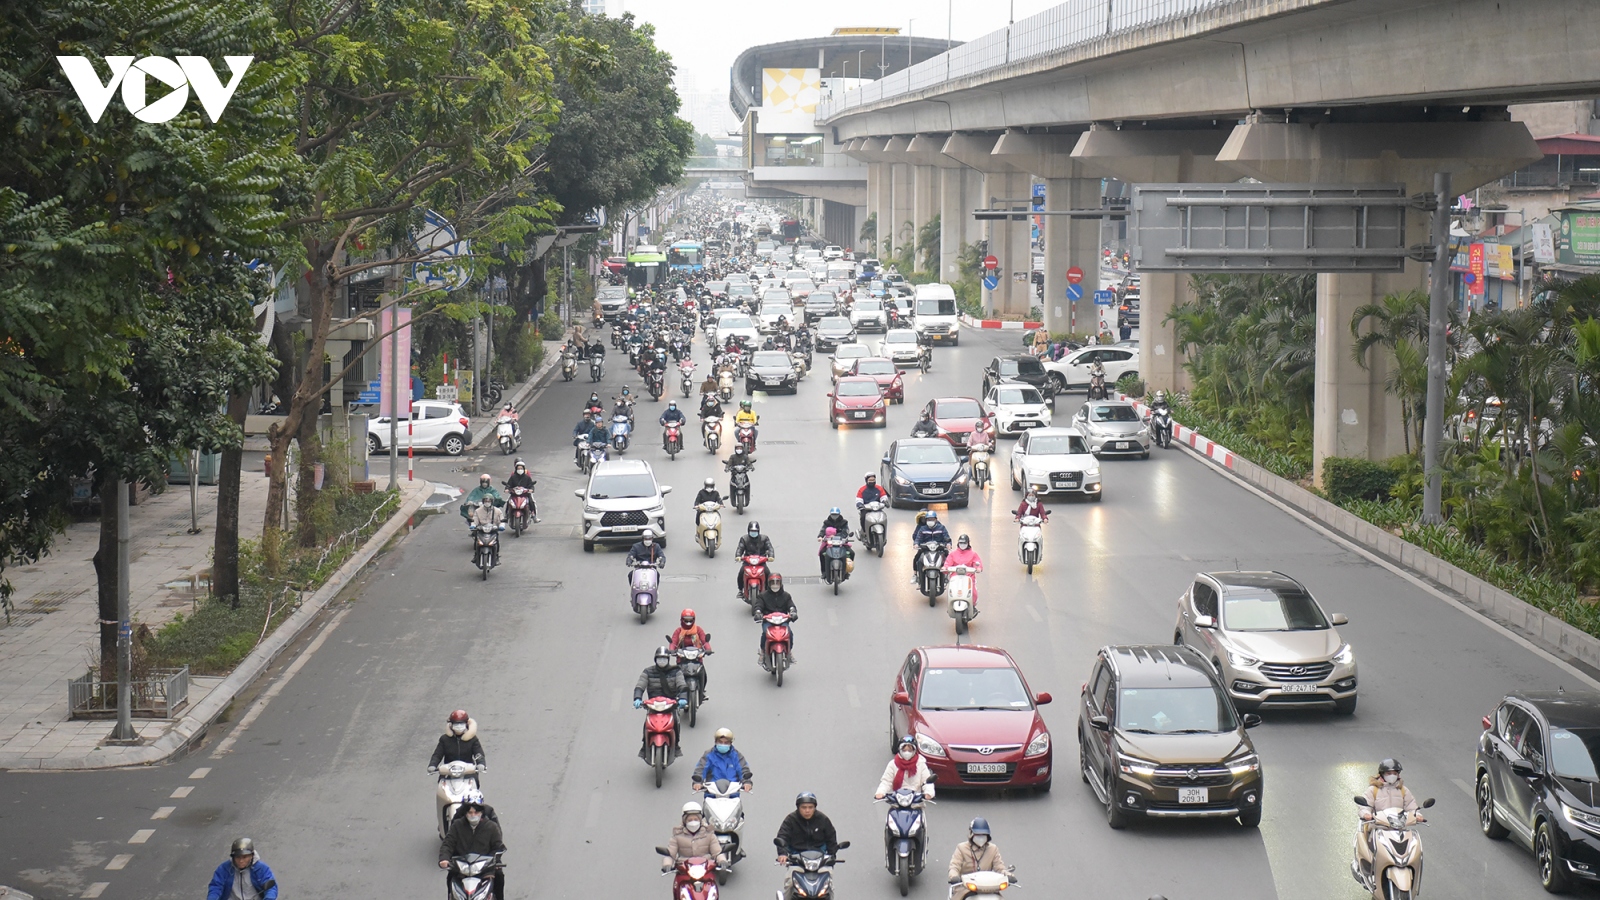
{"points": [[730, 766], [936, 533], [260, 877]]}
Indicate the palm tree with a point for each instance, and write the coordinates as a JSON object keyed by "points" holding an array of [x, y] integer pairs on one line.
{"points": [[1398, 324]]}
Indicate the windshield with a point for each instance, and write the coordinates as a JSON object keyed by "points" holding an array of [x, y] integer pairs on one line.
{"points": [[869, 305], [900, 337], [875, 367], [1113, 414], [777, 359], [1288, 610], [1018, 395], [858, 389], [1174, 710], [925, 454], [1057, 444], [821, 298], [777, 309], [739, 321], [834, 323], [995, 688], [850, 351], [958, 409], [617, 487], [802, 286], [936, 307], [683, 257], [741, 289], [1572, 753], [616, 292]]}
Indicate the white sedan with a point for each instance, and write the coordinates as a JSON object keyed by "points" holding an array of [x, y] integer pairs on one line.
{"points": [[901, 345], [738, 323], [845, 356], [1016, 407], [1055, 461]]}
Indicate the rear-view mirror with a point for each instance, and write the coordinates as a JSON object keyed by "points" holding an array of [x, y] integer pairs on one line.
{"points": [[1523, 769], [1251, 720], [1099, 723], [1043, 698], [580, 493], [1428, 803], [1361, 801], [1204, 622], [901, 698], [666, 489], [1339, 619]]}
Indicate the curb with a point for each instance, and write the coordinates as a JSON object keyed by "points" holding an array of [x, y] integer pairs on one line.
{"points": [[523, 393], [1002, 324], [1528, 621], [192, 727]]}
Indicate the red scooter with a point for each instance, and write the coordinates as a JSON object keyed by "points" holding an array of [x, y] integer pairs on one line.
{"points": [[778, 642], [695, 878], [745, 436], [660, 734], [673, 440], [754, 577], [519, 510]]}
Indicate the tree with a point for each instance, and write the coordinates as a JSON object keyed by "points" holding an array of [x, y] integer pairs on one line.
{"points": [[705, 145], [1399, 325], [869, 233]]}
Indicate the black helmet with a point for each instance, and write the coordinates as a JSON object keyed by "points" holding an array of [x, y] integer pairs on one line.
{"points": [[964, 542], [755, 529], [243, 847], [803, 798], [979, 825], [663, 657], [1389, 765]]}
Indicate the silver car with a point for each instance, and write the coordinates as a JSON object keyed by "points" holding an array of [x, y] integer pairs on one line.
{"points": [[1113, 427], [1269, 640]]}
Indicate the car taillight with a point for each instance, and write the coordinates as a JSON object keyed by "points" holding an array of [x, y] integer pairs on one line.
{"points": [[464, 421]]}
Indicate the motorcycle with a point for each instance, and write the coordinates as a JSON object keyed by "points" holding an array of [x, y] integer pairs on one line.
{"points": [[739, 487], [672, 439], [978, 459], [1161, 426], [745, 434], [811, 874], [1097, 387], [1396, 848], [836, 550], [711, 433], [1030, 541], [975, 883], [519, 510], [725, 817], [569, 366], [753, 575], [485, 546], [597, 453], [725, 385], [874, 527], [660, 734], [692, 662], [778, 644], [694, 878], [471, 877], [455, 779], [932, 581], [963, 588], [686, 378], [509, 435], [708, 531], [644, 594], [905, 845], [597, 367], [620, 427], [655, 382]]}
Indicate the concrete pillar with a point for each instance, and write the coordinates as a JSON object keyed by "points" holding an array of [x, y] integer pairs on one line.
{"points": [[973, 197], [881, 202], [924, 206], [902, 205], [1067, 242], [953, 210], [1354, 415]]}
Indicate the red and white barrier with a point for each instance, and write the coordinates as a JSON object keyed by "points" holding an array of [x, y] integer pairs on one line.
{"points": [[1201, 444], [970, 322]]}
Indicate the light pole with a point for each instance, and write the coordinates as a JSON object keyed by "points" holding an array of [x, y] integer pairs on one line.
{"points": [[909, 57], [860, 72]]}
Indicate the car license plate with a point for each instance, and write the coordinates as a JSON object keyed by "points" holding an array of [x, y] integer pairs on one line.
{"points": [[930, 490], [1122, 445], [1304, 687], [1066, 484], [986, 768], [772, 379], [628, 527], [858, 415], [1194, 795]]}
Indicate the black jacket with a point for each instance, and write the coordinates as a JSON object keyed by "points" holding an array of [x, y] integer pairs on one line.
{"points": [[654, 553], [836, 521], [797, 834], [707, 495], [654, 682], [748, 546], [769, 602], [462, 838], [467, 749], [523, 480], [925, 428]]}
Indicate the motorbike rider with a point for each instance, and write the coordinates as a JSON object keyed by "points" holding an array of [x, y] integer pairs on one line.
{"points": [[1032, 506], [488, 514], [1097, 369], [459, 743], [982, 437], [774, 600], [672, 414], [930, 529], [598, 432], [926, 426], [474, 832], [596, 348], [662, 679], [593, 405], [509, 414], [977, 853], [964, 555], [708, 387], [688, 634], [708, 494], [521, 479], [752, 543], [485, 488], [836, 521], [869, 493], [908, 769], [645, 551], [747, 416], [804, 829], [1385, 791], [242, 875], [722, 763], [691, 838]]}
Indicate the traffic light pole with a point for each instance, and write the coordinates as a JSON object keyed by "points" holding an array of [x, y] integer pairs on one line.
{"points": [[1438, 316]]}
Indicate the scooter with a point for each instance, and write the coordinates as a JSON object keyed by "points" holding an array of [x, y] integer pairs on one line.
{"points": [[485, 547], [692, 662], [1161, 426], [708, 532], [711, 433], [1030, 541], [725, 386], [778, 644], [976, 883], [836, 550], [644, 594], [963, 589], [455, 779], [519, 510], [745, 436], [672, 439], [932, 580], [739, 487], [660, 734], [597, 453], [655, 382], [753, 576], [1394, 857], [978, 459], [509, 434], [811, 874], [569, 366], [686, 377], [620, 427], [725, 816], [1097, 387], [597, 367], [471, 877], [905, 845], [694, 878], [874, 527]]}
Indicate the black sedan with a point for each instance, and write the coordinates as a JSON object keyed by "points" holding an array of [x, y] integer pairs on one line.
{"points": [[924, 470], [771, 371], [831, 331]]}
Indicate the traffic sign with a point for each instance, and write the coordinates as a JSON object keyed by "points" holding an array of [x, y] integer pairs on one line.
{"points": [[1074, 275], [1104, 298], [368, 397], [1074, 292], [991, 262], [991, 281]]}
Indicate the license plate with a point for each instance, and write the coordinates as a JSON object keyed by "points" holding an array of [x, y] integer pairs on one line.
{"points": [[1194, 795], [858, 415], [986, 768], [931, 490], [769, 379], [1304, 687], [1122, 445], [627, 528]]}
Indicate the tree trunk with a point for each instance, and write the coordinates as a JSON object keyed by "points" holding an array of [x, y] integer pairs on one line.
{"points": [[306, 401], [306, 489], [105, 571], [540, 286], [225, 550]]}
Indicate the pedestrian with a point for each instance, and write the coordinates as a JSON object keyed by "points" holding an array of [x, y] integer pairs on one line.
{"points": [[243, 876]]}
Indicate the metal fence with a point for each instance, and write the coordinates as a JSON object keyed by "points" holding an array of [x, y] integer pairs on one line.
{"points": [[158, 695], [1052, 31]]}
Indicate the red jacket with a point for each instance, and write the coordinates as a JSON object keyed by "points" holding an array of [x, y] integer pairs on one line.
{"points": [[862, 494], [1035, 509], [685, 637]]}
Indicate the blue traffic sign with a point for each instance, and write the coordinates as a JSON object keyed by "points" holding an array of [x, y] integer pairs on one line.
{"points": [[991, 281], [1104, 298], [366, 397], [1074, 292]]}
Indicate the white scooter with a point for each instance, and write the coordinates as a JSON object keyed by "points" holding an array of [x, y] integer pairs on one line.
{"points": [[963, 590], [1030, 541], [509, 434], [983, 883], [709, 530], [874, 527], [1394, 855], [725, 814], [455, 779], [643, 589]]}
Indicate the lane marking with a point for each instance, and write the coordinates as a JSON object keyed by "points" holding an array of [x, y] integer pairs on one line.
{"points": [[225, 745], [1467, 788], [200, 772], [855, 698], [592, 817], [142, 835], [183, 792], [120, 861], [833, 618], [163, 812], [96, 889], [1035, 613]]}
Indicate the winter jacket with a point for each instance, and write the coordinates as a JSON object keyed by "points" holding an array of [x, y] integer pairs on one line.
{"points": [[870, 493], [837, 522], [654, 682], [925, 428], [707, 495], [730, 766], [760, 546], [771, 602], [463, 839], [1034, 509], [968, 859], [673, 415], [260, 878], [917, 780], [655, 553], [690, 637], [936, 533], [466, 748], [798, 834], [470, 502], [685, 844], [1387, 796], [487, 516], [960, 557], [524, 480]]}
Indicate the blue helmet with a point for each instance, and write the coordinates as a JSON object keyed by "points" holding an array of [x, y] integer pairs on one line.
{"points": [[931, 517], [834, 511], [980, 825]]}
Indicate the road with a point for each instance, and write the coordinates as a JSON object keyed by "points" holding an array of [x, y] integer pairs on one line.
{"points": [[329, 778]]}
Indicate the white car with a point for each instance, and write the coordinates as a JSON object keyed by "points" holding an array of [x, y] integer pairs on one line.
{"points": [[1113, 427], [434, 425], [717, 315], [1016, 407], [773, 310], [833, 251], [1055, 461], [1071, 372], [900, 345], [623, 503], [737, 323], [845, 356], [868, 314]]}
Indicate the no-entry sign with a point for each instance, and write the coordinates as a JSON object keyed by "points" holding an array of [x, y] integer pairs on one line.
{"points": [[992, 262], [1074, 275]]}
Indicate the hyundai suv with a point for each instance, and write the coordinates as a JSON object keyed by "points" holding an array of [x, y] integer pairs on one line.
{"points": [[1158, 737], [622, 504]]}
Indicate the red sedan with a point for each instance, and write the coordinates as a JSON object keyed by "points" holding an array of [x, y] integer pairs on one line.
{"points": [[887, 376], [973, 716], [956, 417], [857, 400]]}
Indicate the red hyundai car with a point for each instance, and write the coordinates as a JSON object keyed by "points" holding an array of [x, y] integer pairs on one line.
{"points": [[973, 716], [887, 376], [955, 417], [857, 400]]}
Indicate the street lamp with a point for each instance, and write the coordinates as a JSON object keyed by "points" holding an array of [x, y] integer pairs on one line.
{"points": [[860, 72], [909, 57]]}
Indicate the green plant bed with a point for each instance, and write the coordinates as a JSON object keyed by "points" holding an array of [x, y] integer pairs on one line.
{"points": [[1294, 465], [1539, 588]]}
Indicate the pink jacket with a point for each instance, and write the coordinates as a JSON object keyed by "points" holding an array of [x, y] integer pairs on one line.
{"points": [[960, 557]]}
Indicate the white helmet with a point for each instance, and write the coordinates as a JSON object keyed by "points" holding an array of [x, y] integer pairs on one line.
{"points": [[691, 808]]}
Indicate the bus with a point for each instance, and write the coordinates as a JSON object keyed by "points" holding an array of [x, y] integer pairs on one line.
{"points": [[687, 256], [646, 265]]}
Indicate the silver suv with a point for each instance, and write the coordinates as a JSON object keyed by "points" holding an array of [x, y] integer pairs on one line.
{"points": [[1269, 640], [623, 503]]}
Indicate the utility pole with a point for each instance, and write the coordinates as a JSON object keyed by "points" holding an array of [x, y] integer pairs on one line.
{"points": [[123, 732], [394, 397], [1438, 300]]}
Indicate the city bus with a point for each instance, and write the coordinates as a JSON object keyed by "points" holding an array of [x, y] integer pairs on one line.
{"points": [[646, 265], [687, 257]]}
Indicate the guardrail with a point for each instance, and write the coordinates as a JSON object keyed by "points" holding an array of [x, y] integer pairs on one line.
{"points": [[158, 695]]}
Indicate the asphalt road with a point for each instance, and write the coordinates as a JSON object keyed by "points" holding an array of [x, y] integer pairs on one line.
{"points": [[329, 777]]}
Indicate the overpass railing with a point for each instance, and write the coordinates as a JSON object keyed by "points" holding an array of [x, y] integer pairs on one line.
{"points": [[1058, 28]]}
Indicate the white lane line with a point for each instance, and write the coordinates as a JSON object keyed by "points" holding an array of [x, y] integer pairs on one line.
{"points": [[95, 890], [120, 861], [1035, 613], [142, 835], [833, 618], [592, 817], [163, 812], [1467, 788], [183, 792], [616, 699], [226, 744], [855, 698], [200, 772]]}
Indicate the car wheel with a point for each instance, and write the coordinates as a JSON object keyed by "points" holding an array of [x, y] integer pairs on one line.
{"points": [[1116, 819], [1345, 707], [1043, 788], [1251, 818], [588, 546], [834, 422], [1552, 868], [1177, 638], [373, 445], [1016, 486], [1060, 381], [453, 445], [1145, 455], [1487, 823], [1083, 758]]}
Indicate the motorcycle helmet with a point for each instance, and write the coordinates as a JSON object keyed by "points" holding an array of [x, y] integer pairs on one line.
{"points": [[472, 798], [519, 467], [484, 480], [663, 656], [686, 618], [459, 721], [1387, 766], [774, 582], [979, 825], [486, 501], [744, 405], [242, 847], [691, 809], [932, 518], [833, 511], [754, 530], [672, 404], [649, 539], [723, 733], [964, 542], [804, 797], [1032, 496], [872, 478], [906, 740]]}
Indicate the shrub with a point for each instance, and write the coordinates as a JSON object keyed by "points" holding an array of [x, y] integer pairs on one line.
{"points": [[1346, 479], [1131, 384], [551, 328]]}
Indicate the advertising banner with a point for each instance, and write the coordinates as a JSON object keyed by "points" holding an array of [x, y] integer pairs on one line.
{"points": [[395, 380], [1580, 238], [1544, 243], [1475, 267], [1501, 263], [790, 90]]}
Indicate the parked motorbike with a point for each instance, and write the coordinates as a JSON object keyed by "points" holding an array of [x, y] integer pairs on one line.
{"points": [[905, 845], [620, 428], [778, 644], [977, 883], [519, 510], [978, 459], [963, 587], [597, 367], [660, 734], [739, 487], [708, 532], [672, 439], [509, 435], [932, 580], [694, 878], [1391, 866], [471, 877], [811, 874], [1161, 426], [874, 527], [455, 779], [725, 817], [485, 546], [1030, 541], [753, 576], [644, 584], [711, 433], [836, 550]]}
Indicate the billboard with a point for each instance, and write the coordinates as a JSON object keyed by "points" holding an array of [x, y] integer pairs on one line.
{"points": [[790, 90], [1579, 241]]}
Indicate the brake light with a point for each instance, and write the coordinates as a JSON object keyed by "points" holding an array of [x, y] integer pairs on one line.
{"points": [[464, 421]]}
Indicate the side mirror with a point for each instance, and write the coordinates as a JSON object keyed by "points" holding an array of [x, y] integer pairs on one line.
{"points": [[666, 489], [901, 698], [1251, 720], [1339, 619], [1523, 769], [844, 845], [1204, 622], [1100, 723], [662, 851], [581, 493], [1043, 698], [1361, 801], [830, 393], [886, 459], [1428, 803]]}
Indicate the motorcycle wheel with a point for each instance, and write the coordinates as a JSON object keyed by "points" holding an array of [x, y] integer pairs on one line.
{"points": [[659, 762], [905, 880], [711, 551], [961, 625], [694, 705], [777, 668], [836, 588], [483, 566], [644, 614], [1030, 568]]}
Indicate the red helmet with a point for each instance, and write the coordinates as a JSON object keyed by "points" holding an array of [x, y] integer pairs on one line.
{"points": [[686, 618], [459, 717]]}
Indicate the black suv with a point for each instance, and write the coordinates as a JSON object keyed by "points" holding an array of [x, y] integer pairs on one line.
{"points": [[1537, 765], [1158, 737], [1023, 368]]}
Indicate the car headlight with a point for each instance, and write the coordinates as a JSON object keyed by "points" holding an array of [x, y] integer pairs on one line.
{"points": [[1587, 821], [1133, 765], [1244, 765], [1345, 656], [1039, 745], [927, 746], [1240, 659], [901, 481], [962, 478]]}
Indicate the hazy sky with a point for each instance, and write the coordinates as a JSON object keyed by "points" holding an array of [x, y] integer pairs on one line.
{"points": [[704, 36]]}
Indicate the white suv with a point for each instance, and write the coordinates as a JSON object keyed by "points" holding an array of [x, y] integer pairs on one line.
{"points": [[1071, 373], [623, 503], [434, 425]]}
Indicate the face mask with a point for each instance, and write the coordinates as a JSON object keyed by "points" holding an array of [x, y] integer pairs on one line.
{"points": [[907, 753], [1391, 778], [693, 825], [978, 840], [474, 818], [459, 729], [724, 748]]}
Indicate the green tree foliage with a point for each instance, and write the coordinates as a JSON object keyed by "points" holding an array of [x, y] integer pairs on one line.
{"points": [[869, 233]]}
